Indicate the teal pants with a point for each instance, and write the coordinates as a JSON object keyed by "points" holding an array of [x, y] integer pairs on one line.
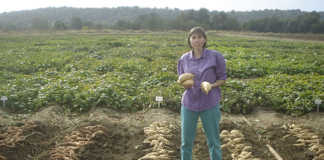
{"points": [[210, 119]]}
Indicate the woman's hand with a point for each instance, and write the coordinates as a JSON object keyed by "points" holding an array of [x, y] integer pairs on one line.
{"points": [[218, 83], [188, 83], [185, 76], [206, 86], [186, 80]]}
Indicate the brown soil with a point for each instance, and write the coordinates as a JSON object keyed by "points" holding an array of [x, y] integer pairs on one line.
{"points": [[102, 134]]}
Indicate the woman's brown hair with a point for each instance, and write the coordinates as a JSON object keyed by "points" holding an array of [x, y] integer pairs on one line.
{"points": [[197, 30]]}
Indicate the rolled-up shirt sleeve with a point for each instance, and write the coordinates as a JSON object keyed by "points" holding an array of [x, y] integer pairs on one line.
{"points": [[220, 68], [180, 67]]}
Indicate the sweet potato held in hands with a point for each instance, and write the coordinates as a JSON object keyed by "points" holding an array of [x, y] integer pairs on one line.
{"points": [[186, 80], [188, 83], [206, 87], [185, 76]]}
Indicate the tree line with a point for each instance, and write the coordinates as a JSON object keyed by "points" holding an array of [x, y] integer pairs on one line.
{"points": [[308, 22], [290, 21]]}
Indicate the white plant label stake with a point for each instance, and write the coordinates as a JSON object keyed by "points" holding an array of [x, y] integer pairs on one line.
{"points": [[318, 102], [159, 99], [4, 99]]}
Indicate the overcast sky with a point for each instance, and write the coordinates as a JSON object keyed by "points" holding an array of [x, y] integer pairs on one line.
{"points": [[220, 5]]}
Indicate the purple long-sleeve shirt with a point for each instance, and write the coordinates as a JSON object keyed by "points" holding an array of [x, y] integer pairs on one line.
{"points": [[209, 67]]}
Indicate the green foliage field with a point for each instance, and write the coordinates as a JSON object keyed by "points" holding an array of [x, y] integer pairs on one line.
{"points": [[126, 71]]}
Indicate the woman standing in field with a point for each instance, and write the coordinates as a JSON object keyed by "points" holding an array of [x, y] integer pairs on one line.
{"points": [[201, 72]]}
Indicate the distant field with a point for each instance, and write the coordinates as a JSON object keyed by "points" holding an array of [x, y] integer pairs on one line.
{"points": [[127, 70], [311, 37]]}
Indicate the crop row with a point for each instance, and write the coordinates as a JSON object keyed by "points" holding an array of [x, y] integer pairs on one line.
{"points": [[128, 71]]}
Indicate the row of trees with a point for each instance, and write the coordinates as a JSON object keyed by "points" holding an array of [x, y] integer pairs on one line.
{"points": [[308, 22], [184, 21], [42, 24], [304, 23], [278, 21]]}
